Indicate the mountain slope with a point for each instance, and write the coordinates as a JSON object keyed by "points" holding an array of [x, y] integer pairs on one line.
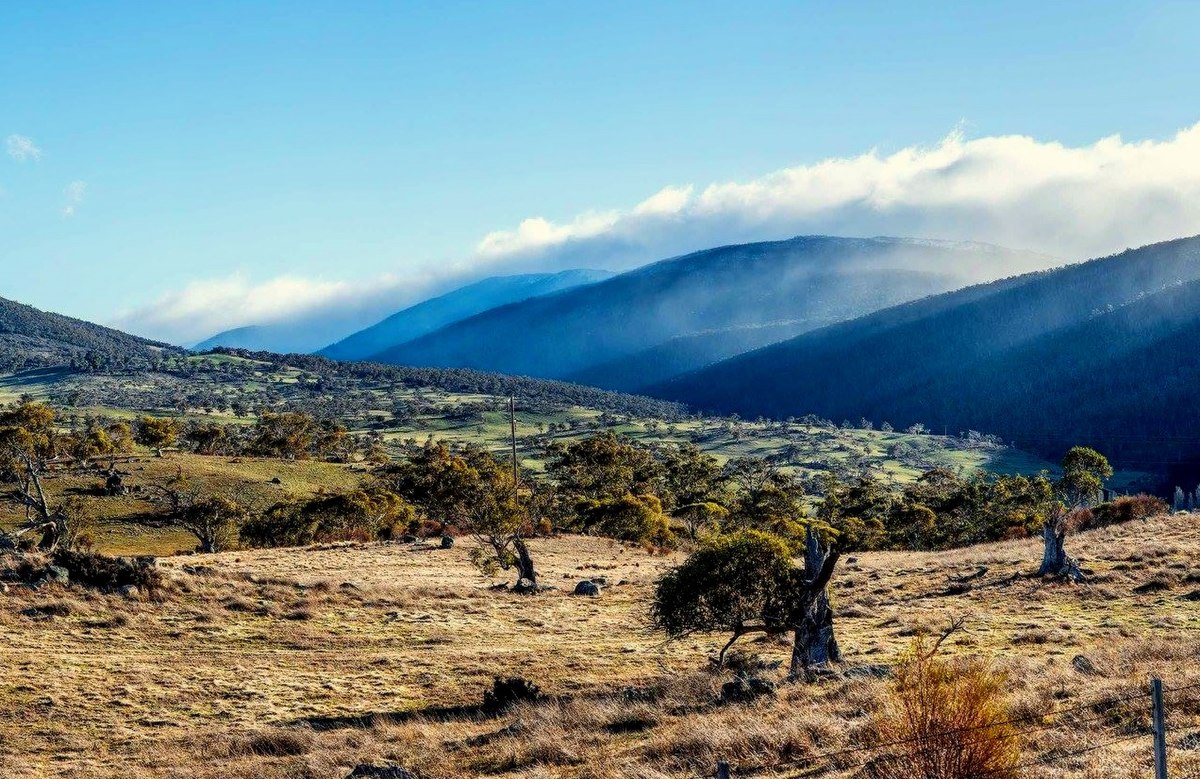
{"points": [[648, 367], [1099, 353], [808, 281], [31, 338], [427, 316]]}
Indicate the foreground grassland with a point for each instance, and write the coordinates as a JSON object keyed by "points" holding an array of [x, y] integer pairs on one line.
{"points": [[306, 662]]}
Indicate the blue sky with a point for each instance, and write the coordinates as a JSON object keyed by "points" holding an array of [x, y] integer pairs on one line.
{"points": [[338, 143]]}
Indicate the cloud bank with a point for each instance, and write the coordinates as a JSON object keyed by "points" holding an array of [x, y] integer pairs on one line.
{"points": [[1070, 202]]}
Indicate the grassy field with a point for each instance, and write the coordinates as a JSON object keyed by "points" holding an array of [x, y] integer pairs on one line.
{"points": [[306, 662], [127, 525]]}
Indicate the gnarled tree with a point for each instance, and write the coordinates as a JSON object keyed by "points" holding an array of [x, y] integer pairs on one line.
{"points": [[745, 582], [1083, 473]]}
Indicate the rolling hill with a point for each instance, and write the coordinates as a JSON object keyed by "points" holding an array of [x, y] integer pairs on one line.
{"points": [[427, 316], [1099, 353], [31, 338], [802, 283]]}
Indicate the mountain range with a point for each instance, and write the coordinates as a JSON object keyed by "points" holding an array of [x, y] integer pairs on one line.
{"points": [[1099, 353], [686, 312]]}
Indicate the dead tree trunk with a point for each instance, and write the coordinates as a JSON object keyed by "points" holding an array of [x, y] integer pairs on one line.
{"points": [[526, 574], [1055, 560], [815, 644]]}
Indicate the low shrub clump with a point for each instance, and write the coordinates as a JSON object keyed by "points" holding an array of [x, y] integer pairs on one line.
{"points": [[946, 720]]}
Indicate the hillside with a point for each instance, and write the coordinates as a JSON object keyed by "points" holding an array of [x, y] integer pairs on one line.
{"points": [[306, 662], [1094, 353], [806, 281], [31, 338], [679, 355], [429, 315]]}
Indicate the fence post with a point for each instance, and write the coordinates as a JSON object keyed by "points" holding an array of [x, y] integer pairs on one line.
{"points": [[1160, 729], [722, 770]]}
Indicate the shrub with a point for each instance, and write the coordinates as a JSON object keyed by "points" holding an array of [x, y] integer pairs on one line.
{"points": [[636, 518], [1126, 509], [942, 713], [109, 573], [506, 693]]}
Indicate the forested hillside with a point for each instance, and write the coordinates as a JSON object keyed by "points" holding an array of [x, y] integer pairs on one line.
{"points": [[30, 338], [804, 283], [1096, 353], [429, 315]]}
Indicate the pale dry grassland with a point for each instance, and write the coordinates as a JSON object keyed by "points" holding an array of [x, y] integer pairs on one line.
{"points": [[306, 662]]}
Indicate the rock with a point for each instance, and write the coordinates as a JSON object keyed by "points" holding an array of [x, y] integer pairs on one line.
{"points": [[390, 771], [447, 542], [276, 480], [1084, 665], [742, 689], [408, 538], [129, 591], [868, 672], [591, 589], [3, 588], [56, 574], [601, 580], [524, 586]]}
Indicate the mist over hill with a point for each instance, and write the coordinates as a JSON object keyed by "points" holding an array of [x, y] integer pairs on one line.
{"points": [[797, 284], [429, 315], [1099, 353]]}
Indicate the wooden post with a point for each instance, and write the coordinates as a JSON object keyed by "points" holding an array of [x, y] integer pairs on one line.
{"points": [[1160, 729], [722, 770]]}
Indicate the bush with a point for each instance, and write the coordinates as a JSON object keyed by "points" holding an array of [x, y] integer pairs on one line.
{"points": [[942, 713], [109, 573], [730, 581], [358, 515], [1126, 509], [637, 518], [506, 693]]}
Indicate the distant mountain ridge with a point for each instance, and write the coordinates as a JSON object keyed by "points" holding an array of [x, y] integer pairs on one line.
{"points": [[429, 315], [1098, 353], [32, 338], [793, 285]]}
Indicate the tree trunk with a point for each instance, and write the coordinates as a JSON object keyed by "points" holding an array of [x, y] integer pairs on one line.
{"points": [[526, 575], [815, 644], [1055, 560]]}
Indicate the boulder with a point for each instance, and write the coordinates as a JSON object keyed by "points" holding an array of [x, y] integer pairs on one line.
{"points": [[447, 542], [588, 588], [525, 586]]}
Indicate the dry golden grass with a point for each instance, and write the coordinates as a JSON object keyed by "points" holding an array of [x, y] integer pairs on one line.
{"points": [[303, 663]]}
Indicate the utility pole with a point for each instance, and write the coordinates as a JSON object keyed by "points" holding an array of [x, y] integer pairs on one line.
{"points": [[512, 424], [1160, 729]]}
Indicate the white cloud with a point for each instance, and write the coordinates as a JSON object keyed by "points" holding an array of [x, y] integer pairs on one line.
{"points": [[21, 148], [1072, 202], [73, 194], [314, 312]]}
